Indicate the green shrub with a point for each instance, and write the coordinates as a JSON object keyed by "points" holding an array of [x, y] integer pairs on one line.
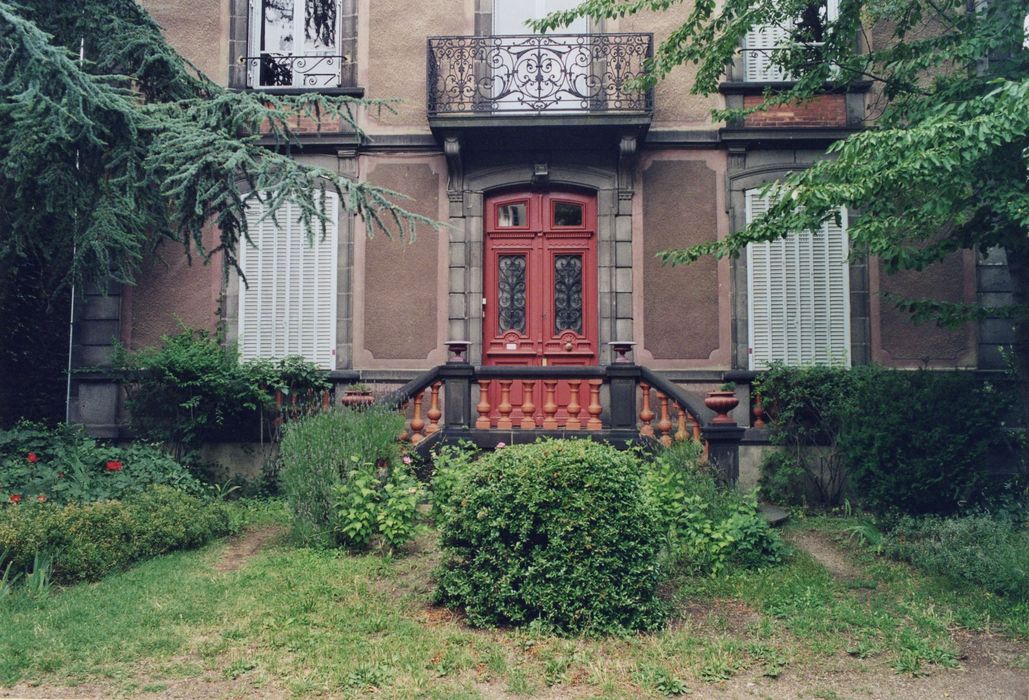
{"points": [[63, 464], [916, 442], [373, 502], [555, 533], [90, 540], [973, 550], [706, 526], [920, 442], [784, 481], [450, 463], [809, 406], [318, 453], [193, 389]]}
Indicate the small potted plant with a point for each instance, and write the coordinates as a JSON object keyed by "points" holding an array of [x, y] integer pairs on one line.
{"points": [[722, 401], [355, 395]]}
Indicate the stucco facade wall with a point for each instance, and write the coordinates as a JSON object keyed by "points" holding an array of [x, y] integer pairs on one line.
{"points": [[897, 341], [391, 42], [172, 292], [197, 29], [684, 310], [675, 106], [400, 286]]}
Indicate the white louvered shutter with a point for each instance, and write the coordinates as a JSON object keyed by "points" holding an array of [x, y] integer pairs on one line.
{"points": [[757, 53], [798, 295], [761, 40], [289, 307]]}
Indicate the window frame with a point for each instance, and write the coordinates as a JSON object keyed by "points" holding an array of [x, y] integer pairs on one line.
{"points": [[770, 73], [253, 61], [287, 224], [756, 360]]}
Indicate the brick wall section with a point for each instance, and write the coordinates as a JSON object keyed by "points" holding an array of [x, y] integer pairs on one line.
{"points": [[308, 125], [821, 111]]}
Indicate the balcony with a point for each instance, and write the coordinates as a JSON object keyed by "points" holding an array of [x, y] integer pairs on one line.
{"points": [[534, 79], [320, 71]]}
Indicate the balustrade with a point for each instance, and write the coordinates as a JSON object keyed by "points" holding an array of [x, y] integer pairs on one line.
{"points": [[618, 402], [686, 425], [519, 399], [536, 73]]}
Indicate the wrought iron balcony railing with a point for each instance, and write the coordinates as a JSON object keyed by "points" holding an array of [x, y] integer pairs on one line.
{"points": [[272, 70], [538, 73]]}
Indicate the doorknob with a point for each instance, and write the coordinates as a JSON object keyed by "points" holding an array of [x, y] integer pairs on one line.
{"points": [[568, 347]]}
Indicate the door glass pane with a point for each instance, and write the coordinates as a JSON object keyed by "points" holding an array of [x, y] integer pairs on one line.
{"points": [[511, 293], [567, 293], [509, 215], [567, 214]]}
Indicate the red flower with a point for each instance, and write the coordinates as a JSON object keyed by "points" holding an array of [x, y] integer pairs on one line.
{"points": [[41, 498], [33, 457], [16, 498], [114, 465]]}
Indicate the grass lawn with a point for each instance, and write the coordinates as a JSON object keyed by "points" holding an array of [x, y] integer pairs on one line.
{"points": [[230, 622]]}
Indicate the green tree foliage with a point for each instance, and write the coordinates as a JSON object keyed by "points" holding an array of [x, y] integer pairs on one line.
{"points": [[106, 157], [133, 144], [943, 165]]}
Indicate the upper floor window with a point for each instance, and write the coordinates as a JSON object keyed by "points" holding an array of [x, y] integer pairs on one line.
{"points": [[296, 44], [798, 294], [510, 16], [761, 41]]}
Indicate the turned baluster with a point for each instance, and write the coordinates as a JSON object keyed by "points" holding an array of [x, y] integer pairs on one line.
{"points": [[417, 422], [646, 415], [594, 409], [434, 413], [664, 424], [681, 435], [573, 408], [528, 407], [483, 407], [759, 412], [505, 408], [550, 405], [693, 426]]}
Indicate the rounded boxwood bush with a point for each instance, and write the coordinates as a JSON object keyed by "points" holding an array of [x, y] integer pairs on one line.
{"points": [[557, 532]]}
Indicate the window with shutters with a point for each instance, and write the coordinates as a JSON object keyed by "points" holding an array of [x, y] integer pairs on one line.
{"points": [[288, 306], [798, 298], [761, 41]]}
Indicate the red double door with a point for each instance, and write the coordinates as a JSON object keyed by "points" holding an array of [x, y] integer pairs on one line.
{"points": [[540, 283]]}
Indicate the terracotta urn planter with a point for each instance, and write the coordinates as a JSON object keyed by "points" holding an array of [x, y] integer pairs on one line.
{"points": [[721, 402]]}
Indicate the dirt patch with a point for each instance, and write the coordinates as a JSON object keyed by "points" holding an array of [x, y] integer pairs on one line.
{"points": [[244, 546], [845, 679], [437, 615], [184, 689], [723, 614], [977, 649], [826, 553]]}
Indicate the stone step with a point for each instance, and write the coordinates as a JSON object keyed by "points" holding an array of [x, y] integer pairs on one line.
{"points": [[773, 515]]}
